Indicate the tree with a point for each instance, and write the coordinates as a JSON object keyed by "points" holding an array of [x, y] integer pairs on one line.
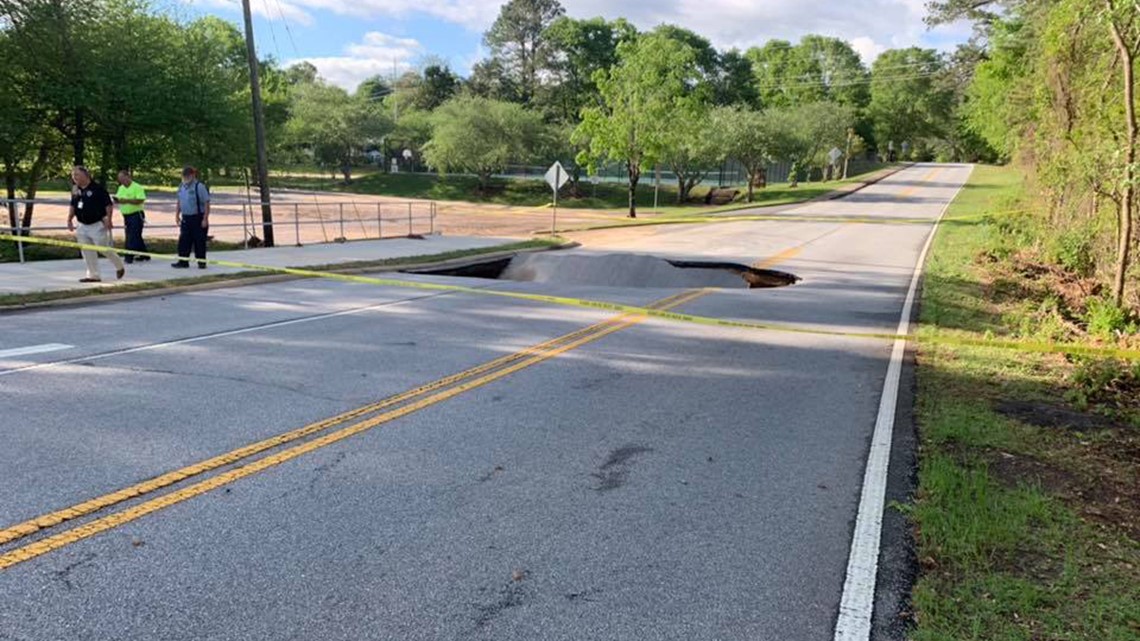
{"points": [[817, 69], [1123, 20], [735, 83], [517, 41], [374, 88], [913, 106], [803, 135], [579, 49], [693, 147], [750, 137], [481, 136], [489, 80], [439, 86], [643, 97], [334, 126]]}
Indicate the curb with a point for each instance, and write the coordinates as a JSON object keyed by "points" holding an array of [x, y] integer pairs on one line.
{"points": [[238, 281]]}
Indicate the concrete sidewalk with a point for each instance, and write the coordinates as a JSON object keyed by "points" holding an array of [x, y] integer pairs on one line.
{"points": [[58, 275]]}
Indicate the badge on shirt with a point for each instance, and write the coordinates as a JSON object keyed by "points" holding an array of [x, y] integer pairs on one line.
{"points": [[80, 205]]}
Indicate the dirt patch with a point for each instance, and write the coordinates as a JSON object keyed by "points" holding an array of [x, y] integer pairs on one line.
{"points": [[1100, 488], [1049, 415]]}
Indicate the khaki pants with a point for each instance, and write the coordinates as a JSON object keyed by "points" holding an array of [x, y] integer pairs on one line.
{"points": [[96, 234]]}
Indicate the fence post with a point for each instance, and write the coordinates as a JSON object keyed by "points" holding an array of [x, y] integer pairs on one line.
{"points": [[379, 222], [409, 218], [431, 213], [18, 230], [342, 238], [297, 223]]}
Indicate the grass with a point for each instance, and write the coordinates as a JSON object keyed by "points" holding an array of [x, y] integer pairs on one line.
{"points": [[9, 252], [1027, 515], [17, 300]]}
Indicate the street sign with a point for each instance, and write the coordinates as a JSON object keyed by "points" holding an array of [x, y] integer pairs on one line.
{"points": [[834, 155], [556, 176]]}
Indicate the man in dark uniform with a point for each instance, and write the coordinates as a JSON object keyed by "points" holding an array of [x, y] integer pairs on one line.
{"points": [[92, 206]]}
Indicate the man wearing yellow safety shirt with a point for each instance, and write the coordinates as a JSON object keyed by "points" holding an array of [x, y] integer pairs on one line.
{"points": [[131, 196]]}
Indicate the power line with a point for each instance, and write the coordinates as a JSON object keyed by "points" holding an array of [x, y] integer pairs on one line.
{"points": [[285, 21], [869, 79]]}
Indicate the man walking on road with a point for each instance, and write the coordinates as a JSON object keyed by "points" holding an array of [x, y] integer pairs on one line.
{"points": [[193, 219], [91, 204], [131, 197]]}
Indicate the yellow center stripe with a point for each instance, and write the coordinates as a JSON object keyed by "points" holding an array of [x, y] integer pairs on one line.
{"points": [[532, 356]]}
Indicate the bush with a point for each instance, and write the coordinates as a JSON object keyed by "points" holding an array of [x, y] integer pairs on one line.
{"points": [[1073, 250], [1109, 383], [1106, 319]]}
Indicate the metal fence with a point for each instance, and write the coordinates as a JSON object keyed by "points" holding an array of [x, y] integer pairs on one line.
{"points": [[729, 174], [294, 223]]}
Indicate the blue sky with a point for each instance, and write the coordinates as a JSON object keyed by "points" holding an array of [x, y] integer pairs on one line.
{"points": [[349, 40]]}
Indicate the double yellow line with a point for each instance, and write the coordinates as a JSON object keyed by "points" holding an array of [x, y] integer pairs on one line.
{"points": [[404, 403]]}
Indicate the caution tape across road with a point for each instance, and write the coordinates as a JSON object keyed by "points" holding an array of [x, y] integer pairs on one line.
{"points": [[1075, 349]]}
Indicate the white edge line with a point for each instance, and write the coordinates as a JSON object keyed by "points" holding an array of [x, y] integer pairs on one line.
{"points": [[857, 603]]}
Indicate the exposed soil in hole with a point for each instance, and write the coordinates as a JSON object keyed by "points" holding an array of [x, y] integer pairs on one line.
{"points": [[619, 270]]}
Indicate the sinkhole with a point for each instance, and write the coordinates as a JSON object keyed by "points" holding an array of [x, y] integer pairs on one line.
{"points": [[616, 270]]}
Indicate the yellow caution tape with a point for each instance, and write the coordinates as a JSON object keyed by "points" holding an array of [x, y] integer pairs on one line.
{"points": [[1075, 349]]}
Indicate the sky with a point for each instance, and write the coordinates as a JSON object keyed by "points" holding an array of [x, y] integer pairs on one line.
{"points": [[350, 40]]}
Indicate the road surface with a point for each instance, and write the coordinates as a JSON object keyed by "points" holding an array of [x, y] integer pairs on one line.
{"points": [[634, 479]]}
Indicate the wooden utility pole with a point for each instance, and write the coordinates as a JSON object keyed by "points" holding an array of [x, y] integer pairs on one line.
{"points": [[258, 128]]}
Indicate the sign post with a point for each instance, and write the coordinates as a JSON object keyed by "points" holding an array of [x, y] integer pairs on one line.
{"points": [[555, 177]]}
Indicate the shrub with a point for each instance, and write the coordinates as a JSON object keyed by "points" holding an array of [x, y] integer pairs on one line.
{"points": [[1073, 250], [1106, 319]]}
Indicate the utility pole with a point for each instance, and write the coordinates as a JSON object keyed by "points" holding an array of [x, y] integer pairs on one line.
{"points": [[258, 128], [847, 155]]}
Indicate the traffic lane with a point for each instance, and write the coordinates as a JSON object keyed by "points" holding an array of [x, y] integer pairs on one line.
{"points": [[125, 324], [666, 482], [82, 430], [917, 192]]}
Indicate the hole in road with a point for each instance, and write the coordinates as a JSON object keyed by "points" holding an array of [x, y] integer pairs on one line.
{"points": [[617, 270]]}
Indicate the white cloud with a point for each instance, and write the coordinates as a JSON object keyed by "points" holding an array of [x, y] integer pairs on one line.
{"points": [[377, 53], [871, 26], [271, 9], [867, 48]]}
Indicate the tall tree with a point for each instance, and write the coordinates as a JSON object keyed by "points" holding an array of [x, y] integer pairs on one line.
{"points": [[517, 41], [735, 83], [579, 49], [914, 106], [648, 91], [1123, 20], [817, 68]]}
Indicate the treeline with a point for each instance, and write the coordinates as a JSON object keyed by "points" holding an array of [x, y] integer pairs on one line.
{"points": [[1053, 89], [118, 83]]}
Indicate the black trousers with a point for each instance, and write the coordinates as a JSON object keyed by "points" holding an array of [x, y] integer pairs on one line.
{"points": [[134, 224], [192, 235]]}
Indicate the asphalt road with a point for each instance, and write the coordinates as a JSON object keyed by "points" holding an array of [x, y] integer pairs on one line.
{"points": [[648, 479]]}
